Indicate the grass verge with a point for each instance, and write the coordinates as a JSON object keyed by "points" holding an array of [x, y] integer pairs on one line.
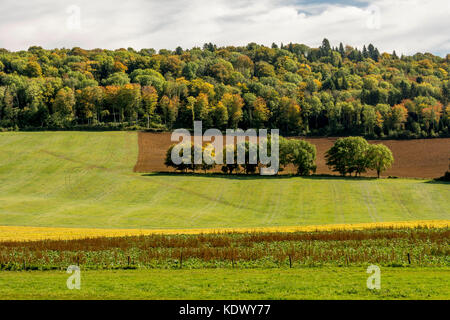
{"points": [[305, 283]]}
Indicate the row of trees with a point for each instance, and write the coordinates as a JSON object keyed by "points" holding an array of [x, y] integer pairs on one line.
{"points": [[348, 155], [295, 88], [300, 153]]}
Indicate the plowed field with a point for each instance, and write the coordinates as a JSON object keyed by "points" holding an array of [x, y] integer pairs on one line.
{"points": [[421, 158]]}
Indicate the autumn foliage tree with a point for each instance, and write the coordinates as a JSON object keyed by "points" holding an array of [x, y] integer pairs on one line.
{"points": [[149, 101], [380, 158], [329, 90]]}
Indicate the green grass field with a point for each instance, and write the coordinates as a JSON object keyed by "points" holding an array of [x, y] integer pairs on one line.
{"points": [[305, 283], [85, 179]]}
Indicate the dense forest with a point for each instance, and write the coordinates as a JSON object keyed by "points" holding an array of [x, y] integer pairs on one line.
{"points": [[298, 89]]}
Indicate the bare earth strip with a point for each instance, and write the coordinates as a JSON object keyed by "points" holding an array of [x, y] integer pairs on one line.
{"points": [[19, 233], [420, 158]]}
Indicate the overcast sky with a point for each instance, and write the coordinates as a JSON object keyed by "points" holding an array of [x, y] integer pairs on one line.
{"points": [[407, 26]]}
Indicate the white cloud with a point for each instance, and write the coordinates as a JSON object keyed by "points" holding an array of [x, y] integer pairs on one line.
{"points": [[407, 26]]}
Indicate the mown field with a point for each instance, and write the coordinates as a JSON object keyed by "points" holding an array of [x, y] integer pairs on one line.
{"points": [[86, 179]]}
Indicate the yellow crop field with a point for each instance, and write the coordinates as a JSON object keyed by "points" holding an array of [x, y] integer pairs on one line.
{"points": [[21, 233]]}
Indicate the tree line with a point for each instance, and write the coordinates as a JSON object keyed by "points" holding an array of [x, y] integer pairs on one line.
{"points": [[295, 88], [349, 155]]}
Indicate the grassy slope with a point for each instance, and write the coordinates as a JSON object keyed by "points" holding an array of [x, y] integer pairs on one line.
{"points": [[85, 179], [308, 283]]}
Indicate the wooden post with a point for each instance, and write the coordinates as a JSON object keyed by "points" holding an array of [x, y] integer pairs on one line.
{"points": [[409, 258], [290, 261], [128, 260]]}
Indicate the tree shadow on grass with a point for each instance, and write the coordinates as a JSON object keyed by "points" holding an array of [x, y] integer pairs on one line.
{"points": [[437, 181], [241, 176]]}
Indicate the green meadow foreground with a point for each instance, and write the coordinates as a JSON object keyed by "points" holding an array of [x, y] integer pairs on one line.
{"points": [[85, 179], [304, 283]]}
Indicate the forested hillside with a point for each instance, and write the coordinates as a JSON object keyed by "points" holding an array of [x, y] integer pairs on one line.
{"points": [[298, 89]]}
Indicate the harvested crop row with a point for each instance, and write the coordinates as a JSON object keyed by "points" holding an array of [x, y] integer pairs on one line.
{"points": [[424, 247]]}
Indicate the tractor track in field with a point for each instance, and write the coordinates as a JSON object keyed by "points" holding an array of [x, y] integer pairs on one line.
{"points": [[201, 195], [163, 184], [84, 164]]}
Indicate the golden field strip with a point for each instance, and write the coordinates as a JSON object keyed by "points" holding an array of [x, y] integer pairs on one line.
{"points": [[22, 233]]}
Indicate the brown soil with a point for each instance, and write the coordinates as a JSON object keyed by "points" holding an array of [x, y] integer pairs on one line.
{"points": [[421, 158]]}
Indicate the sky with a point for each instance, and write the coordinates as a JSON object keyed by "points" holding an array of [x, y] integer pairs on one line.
{"points": [[406, 26]]}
